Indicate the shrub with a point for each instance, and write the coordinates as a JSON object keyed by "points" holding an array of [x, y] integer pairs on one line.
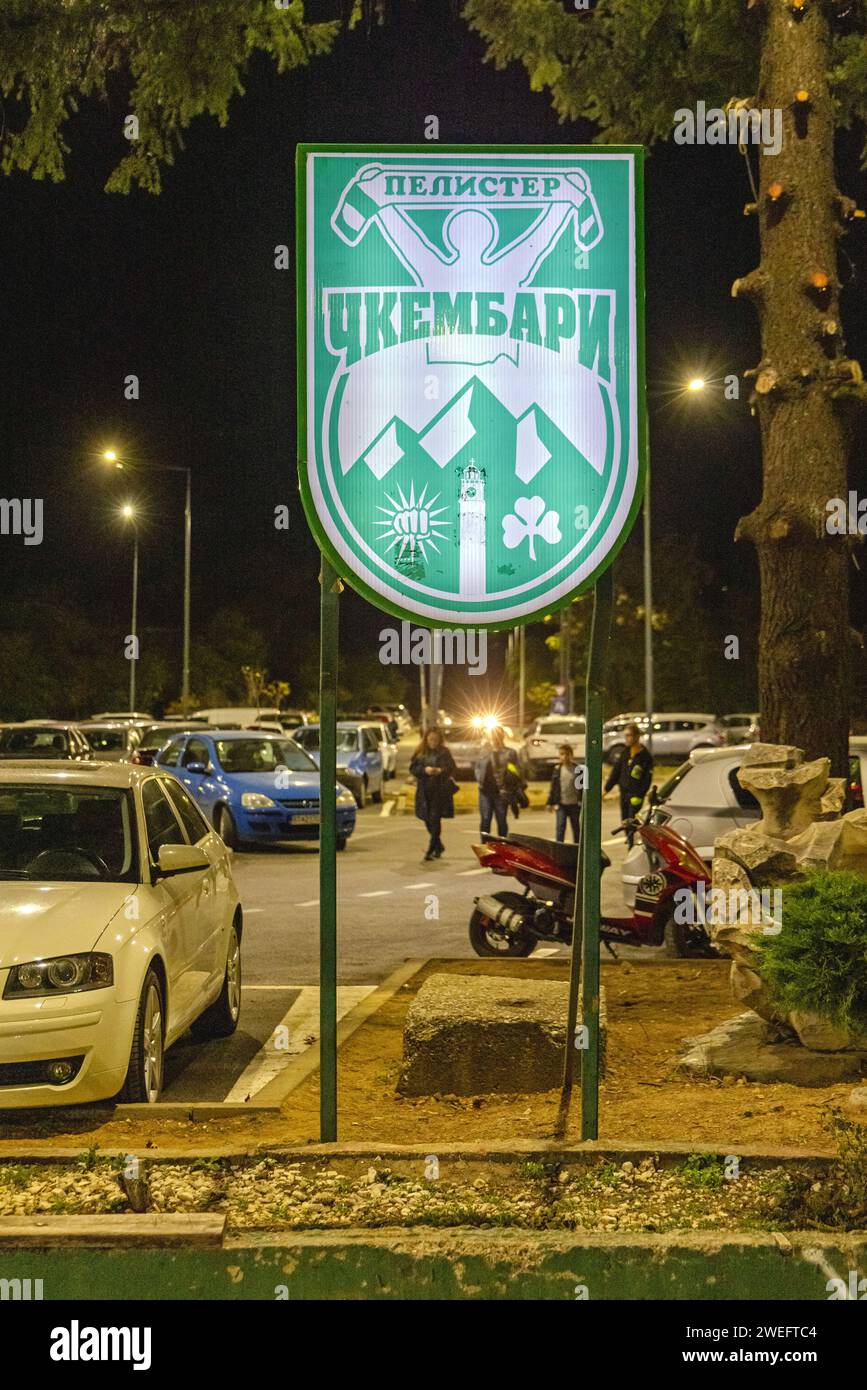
{"points": [[818, 962]]}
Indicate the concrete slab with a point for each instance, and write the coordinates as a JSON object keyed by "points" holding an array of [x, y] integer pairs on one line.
{"points": [[478, 1034]]}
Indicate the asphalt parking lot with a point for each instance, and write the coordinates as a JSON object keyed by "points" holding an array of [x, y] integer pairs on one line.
{"points": [[392, 907]]}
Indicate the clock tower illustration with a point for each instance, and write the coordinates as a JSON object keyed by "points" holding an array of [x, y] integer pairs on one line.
{"points": [[472, 531]]}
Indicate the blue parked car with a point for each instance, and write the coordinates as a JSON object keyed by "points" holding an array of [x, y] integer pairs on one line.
{"points": [[253, 786], [359, 757]]}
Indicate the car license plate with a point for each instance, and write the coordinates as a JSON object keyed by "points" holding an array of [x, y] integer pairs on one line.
{"points": [[305, 820]]}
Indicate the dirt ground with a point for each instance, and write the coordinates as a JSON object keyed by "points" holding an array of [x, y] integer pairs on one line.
{"points": [[651, 1009]]}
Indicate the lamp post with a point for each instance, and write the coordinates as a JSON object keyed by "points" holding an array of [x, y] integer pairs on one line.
{"points": [[128, 513], [694, 386], [111, 457]]}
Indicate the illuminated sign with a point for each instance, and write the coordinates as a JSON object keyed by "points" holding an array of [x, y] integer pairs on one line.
{"points": [[471, 363]]}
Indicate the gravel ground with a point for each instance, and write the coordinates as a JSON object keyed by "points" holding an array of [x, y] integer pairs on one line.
{"points": [[272, 1194]]}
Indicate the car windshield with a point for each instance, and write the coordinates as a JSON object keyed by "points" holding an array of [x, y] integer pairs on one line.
{"points": [[347, 739], [262, 755], [555, 727], [106, 740], [157, 735], [73, 834], [33, 743]]}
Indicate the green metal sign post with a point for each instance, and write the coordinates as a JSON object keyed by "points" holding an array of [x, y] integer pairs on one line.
{"points": [[470, 397]]}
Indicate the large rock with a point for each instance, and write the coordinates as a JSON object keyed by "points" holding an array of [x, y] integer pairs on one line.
{"points": [[751, 1047], [790, 796], [470, 1035]]}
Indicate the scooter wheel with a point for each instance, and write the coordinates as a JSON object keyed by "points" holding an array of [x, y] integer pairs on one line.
{"points": [[686, 940], [487, 941]]}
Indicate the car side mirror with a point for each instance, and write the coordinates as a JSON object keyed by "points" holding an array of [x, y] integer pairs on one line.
{"points": [[180, 859], [653, 798], [200, 768]]}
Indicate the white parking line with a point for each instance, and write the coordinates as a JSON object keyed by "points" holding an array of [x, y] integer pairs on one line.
{"points": [[311, 902], [408, 886], [302, 1029], [471, 873], [248, 911], [380, 893], [388, 807], [547, 950]]}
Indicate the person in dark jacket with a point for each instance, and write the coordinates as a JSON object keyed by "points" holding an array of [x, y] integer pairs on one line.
{"points": [[564, 794], [631, 774], [501, 786], [433, 768]]}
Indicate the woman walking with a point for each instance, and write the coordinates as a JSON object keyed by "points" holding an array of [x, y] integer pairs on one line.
{"points": [[434, 769]]}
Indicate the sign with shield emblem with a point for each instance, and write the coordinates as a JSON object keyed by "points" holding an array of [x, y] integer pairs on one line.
{"points": [[472, 415]]}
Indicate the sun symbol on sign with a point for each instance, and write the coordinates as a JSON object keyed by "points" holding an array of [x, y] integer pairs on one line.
{"points": [[413, 523]]}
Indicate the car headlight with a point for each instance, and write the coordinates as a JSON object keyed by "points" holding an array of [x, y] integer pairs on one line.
{"points": [[345, 797], [256, 801], [60, 975]]}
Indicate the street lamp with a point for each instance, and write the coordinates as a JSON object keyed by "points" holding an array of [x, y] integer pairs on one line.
{"points": [[693, 386], [128, 513], [110, 456]]}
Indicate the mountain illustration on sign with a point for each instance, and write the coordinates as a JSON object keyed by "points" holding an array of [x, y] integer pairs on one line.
{"points": [[475, 430]]}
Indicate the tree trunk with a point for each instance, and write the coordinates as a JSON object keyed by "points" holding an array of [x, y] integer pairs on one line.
{"points": [[800, 389]]}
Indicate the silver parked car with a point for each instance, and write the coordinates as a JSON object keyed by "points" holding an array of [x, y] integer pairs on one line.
{"points": [[738, 727], [673, 735], [540, 752], [111, 742]]}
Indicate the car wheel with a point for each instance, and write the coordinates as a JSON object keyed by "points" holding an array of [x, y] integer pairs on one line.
{"points": [[361, 795], [221, 1019], [144, 1076], [227, 829], [341, 842]]}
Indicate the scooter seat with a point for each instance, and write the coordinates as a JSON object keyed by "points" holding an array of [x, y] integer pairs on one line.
{"points": [[564, 854]]}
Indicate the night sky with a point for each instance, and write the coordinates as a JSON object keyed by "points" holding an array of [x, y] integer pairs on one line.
{"points": [[181, 290]]}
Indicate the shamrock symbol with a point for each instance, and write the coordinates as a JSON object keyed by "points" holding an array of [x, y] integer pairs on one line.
{"points": [[530, 520]]}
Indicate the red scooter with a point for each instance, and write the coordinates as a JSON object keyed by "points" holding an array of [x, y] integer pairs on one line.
{"points": [[512, 924]]}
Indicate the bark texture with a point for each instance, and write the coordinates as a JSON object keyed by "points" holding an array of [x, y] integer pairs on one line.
{"points": [[803, 389]]}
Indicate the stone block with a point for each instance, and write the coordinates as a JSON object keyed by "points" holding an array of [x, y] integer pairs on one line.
{"points": [[472, 1035]]}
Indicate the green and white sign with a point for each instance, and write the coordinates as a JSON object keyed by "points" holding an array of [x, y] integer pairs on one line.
{"points": [[471, 354]]}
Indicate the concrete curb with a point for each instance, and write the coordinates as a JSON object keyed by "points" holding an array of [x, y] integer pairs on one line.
{"points": [[192, 1110], [666, 1152], [124, 1230]]}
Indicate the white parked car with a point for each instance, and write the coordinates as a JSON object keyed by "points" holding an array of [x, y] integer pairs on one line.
{"points": [[120, 928], [673, 735], [540, 751], [705, 800]]}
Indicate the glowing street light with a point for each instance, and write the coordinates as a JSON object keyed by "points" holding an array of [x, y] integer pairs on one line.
{"points": [[110, 456], [696, 384], [127, 511]]}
